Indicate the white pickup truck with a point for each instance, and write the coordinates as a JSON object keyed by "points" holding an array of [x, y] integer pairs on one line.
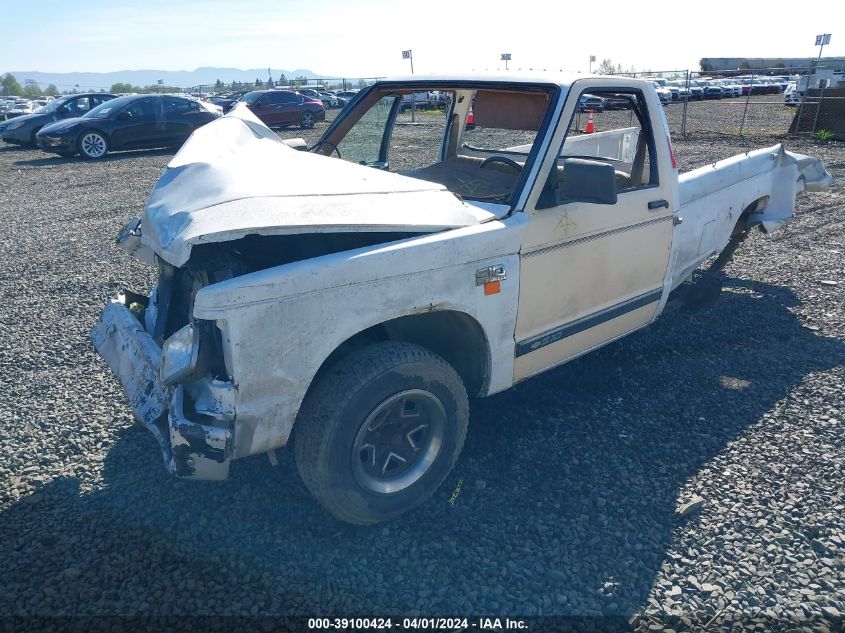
{"points": [[350, 297]]}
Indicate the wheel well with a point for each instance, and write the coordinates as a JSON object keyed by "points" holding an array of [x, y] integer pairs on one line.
{"points": [[455, 336]]}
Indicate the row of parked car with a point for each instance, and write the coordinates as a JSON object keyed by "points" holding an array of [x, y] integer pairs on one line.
{"points": [[698, 89], [93, 124], [11, 107], [681, 90], [329, 98]]}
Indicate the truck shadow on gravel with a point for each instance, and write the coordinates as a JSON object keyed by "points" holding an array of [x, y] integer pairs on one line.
{"points": [[563, 501]]}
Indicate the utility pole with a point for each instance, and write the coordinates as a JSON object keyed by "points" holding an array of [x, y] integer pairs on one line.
{"points": [[592, 59], [506, 57]]}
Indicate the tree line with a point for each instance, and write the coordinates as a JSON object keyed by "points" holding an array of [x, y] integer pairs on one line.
{"points": [[10, 87], [120, 87]]}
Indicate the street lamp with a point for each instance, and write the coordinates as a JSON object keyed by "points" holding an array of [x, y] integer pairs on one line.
{"points": [[592, 59]]}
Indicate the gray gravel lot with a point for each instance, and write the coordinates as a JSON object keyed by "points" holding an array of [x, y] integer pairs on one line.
{"points": [[566, 494]]}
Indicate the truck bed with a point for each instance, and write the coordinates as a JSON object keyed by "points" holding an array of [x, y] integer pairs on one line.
{"points": [[713, 197]]}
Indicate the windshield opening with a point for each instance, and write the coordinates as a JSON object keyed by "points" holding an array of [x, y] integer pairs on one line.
{"points": [[474, 140]]}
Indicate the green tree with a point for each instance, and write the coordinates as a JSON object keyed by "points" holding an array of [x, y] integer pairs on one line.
{"points": [[123, 87], [218, 85], [283, 80], [258, 82], [51, 90], [32, 90], [606, 67], [302, 79], [9, 86], [744, 65]]}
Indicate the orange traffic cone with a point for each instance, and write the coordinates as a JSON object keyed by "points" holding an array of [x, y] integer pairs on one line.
{"points": [[590, 126]]}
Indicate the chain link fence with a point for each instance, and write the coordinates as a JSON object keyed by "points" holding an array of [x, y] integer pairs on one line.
{"points": [[749, 103], [326, 83]]}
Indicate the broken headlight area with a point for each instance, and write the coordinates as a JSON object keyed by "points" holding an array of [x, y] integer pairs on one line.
{"points": [[192, 352], [179, 356]]}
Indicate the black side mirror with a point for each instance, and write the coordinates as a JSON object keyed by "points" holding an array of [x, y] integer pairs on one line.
{"points": [[124, 116], [588, 181]]}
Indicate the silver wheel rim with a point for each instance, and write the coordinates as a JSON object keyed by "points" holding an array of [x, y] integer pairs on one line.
{"points": [[399, 441], [93, 145], [307, 120]]}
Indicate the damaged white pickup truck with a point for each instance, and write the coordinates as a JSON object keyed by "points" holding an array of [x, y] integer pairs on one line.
{"points": [[352, 296]]}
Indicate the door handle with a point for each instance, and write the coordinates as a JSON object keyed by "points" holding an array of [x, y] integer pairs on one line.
{"points": [[657, 204]]}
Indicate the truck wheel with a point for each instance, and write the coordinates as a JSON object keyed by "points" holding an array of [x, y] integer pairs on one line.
{"points": [[379, 432]]}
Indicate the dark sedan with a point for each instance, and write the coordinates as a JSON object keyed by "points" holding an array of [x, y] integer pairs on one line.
{"points": [[131, 122], [22, 129], [228, 100], [281, 108]]}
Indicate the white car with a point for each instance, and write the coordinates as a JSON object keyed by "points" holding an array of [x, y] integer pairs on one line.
{"points": [[19, 109], [348, 300], [664, 94], [791, 96]]}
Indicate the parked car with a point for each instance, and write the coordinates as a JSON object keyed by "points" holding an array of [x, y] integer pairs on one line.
{"points": [[227, 100], [19, 109], [589, 103], [282, 108], [327, 101], [713, 90], [791, 96], [345, 96], [126, 123], [23, 129], [616, 102], [664, 94], [684, 93]]}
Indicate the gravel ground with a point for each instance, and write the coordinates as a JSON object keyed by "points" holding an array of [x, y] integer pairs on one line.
{"points": [[566, 498]]}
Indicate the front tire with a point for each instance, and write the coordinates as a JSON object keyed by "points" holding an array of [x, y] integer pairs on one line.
{"points": [[380, 431], [93, 145]]}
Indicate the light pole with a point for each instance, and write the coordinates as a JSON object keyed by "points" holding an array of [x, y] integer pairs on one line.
{"points": [[506, 57], [821, 40], [592, 59], [409, 55]]}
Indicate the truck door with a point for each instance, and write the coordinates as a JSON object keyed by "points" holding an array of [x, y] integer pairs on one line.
{"points": [[591, 271]]}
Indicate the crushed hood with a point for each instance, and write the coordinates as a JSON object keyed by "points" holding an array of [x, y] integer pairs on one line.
{"points": [[234, 177]]}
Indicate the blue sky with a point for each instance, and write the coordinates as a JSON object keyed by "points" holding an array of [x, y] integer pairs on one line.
{"points": [[365, 38]]}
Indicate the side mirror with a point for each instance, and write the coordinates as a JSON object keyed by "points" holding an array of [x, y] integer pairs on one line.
{"points": [[124, 116], [588, 181]]}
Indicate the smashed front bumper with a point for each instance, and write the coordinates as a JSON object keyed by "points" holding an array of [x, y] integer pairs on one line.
{"points": [[190, 449]]}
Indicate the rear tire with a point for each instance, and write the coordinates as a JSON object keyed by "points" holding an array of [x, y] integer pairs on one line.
{"points": [[379, 432]]}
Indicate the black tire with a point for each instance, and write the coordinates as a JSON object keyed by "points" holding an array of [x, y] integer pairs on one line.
{"points": [[93, 144], [307, 120], [340, 407]]}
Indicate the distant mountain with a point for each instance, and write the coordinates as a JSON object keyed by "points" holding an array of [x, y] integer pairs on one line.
{"points": [[181, 78]]}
